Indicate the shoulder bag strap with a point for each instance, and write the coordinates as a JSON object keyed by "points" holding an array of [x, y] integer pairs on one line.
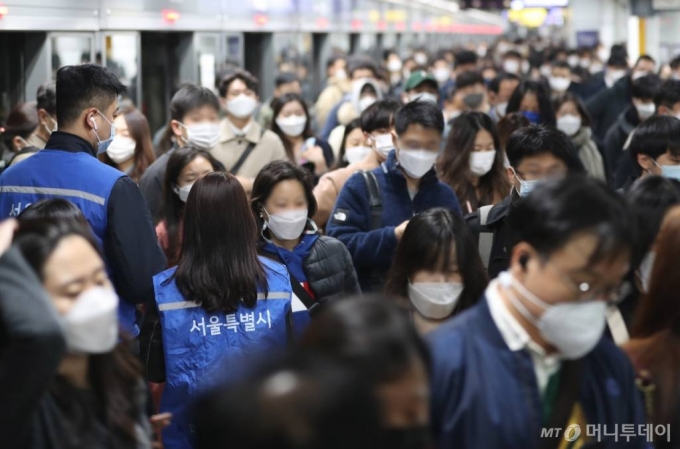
{"points": [[567, 395], [375, 199], [299, 291], [241, 160]]}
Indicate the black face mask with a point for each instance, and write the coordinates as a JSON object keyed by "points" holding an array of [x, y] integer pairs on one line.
{"points": [[416, 437], [473, 101]]}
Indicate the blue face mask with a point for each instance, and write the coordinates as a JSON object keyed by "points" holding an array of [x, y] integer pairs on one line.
{"points": [[533, 117], [669, 171], [103, 145], [526, 187]]}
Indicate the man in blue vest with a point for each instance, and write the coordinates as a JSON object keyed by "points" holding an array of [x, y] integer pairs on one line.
{"points": [[530, 357], [87, 100]]}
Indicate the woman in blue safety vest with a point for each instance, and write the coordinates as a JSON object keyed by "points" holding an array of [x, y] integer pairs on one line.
{"points": [[221, 302], [320, 267]]}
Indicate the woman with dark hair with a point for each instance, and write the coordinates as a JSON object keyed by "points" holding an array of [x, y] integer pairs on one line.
{"points": [[131, 150], [437, 270], [293, 125], [354, 147], [20, 124], [376, 338], [574, 121], [473, 163], [655, 345], [89, 391], [320, 267], [532, 99], [220, 302], [185, 166]]}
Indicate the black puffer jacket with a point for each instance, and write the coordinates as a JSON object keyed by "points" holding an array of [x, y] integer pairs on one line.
{"points": [[330, 271]]}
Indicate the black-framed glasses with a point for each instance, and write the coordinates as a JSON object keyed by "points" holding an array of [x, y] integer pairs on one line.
{"points": [[612, 295]]}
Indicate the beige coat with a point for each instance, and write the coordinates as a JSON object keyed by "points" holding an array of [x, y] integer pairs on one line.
{"points": [[328, 98], [268, 148]]}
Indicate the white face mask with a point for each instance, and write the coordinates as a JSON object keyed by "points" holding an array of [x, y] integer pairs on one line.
{"points": [[54, 126], [435, 300], [603, 54], [420, 58], [574, 328], [356, 154], [572, 60], [383, 144], [417, 162], [203, 135], [481, 162], [293, 125], [511, 66], [569, 124], [584, 63], [365, 102], [595, 67], [501, 109], [394, 65], [613, 76], [287, 225], [183, 192], [442, 74], [559, 84], [646, 270], [121, 149], [91, 326], [424, 96], [242, 106], [545, 70], [645, 110], [340, 75]]}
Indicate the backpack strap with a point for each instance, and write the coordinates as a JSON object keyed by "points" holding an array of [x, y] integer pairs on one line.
{"points": [[241, 160], [617, 326], [374, 199], [485, 243]]}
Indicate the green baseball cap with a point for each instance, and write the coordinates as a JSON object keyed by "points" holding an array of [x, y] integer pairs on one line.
{"points": [[418, 78]]}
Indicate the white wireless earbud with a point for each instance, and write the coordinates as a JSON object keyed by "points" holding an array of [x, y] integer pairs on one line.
{"points": [[93, 123]]}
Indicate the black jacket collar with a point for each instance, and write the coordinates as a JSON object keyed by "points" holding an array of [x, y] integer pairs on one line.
{"points": [[69, 142]]}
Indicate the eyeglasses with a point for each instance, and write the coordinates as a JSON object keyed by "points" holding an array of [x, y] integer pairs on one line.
{"points": [[612, 295]]}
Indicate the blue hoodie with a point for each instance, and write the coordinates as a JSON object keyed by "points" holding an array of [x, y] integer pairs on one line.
{"points": [[350, 222]]}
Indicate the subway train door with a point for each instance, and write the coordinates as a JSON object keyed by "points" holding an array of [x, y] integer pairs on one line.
{"points": [[259, 59], [166, 60], [26, 69]]}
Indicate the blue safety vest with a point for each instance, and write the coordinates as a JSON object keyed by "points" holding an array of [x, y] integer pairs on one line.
{"points": [[200, 347], [75, 176]]}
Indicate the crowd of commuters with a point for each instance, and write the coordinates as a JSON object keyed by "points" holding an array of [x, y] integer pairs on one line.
{"points": [[473, 247]]}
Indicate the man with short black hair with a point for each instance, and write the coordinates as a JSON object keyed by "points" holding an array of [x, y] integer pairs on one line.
{"points": [[500, 91], [512, 63], [667, 103], [87, 100], [560, 79], [655, 149], [374, 207], [535, 153], [675, 67], [643, 91], [47, 115], [421, 86], [531, 356], [244, 147]]}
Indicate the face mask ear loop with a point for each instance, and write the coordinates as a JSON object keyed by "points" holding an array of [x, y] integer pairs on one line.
{"points": [[314, 229], [264, 226]]}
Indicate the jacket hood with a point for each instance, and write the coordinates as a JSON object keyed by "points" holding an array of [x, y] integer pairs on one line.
{"points": [[357, 87]]}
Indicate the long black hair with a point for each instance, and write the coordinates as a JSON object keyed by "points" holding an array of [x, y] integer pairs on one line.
{"points": [[545, 106], [115, 376], [173, 207], [429, 242], [274, 173], [277, 105], [454, 163], [218, 267]]}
